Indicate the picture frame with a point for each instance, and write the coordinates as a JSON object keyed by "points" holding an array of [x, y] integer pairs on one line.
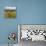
{"points": [[9, 12]]}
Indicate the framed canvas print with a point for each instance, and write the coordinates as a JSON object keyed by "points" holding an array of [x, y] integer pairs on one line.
{"points": [[30, 33], [10, 12]]}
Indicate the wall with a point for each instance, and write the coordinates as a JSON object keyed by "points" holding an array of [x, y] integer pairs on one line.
{"points": [[33, 11], [7, 25], [28, 12]]}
